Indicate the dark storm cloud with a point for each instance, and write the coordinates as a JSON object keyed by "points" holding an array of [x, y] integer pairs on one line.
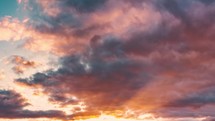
{"points": [[12, 104]]}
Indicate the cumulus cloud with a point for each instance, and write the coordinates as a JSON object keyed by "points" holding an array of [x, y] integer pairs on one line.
{"points": [[102, 77], [143, 55]]}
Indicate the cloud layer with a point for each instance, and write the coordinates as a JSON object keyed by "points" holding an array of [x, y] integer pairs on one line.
{"points": [[148, 56]]}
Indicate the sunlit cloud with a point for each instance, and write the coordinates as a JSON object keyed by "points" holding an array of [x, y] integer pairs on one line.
{"points": [[108, 60], [9, 31]]}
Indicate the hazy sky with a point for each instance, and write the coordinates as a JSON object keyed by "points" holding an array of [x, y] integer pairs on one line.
{"points": [[107, 60]]}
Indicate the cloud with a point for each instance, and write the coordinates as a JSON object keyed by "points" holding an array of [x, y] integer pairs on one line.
{"points": [[85, 5], [8, 29], [207, 2], [195, 100], [12, 105], [181, 112], [143, 55], [209, 119], [21, 64], [50, 28], [74, 29], [101, 77]]}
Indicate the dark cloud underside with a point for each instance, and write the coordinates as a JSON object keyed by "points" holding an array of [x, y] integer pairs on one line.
{"points": [[12, 105]]}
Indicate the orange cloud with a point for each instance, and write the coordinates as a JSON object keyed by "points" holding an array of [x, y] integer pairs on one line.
{"points": [[21, 64]]}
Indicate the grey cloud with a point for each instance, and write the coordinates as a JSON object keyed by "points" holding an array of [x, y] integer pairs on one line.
{"points": [[12, 105], [195, 100], [85, 5], [103, 72], [207, 2]]}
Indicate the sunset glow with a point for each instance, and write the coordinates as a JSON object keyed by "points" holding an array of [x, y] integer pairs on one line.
{"points": [[112, 118], [107, 60]]}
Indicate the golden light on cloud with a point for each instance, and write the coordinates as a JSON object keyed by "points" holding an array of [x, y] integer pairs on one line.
{"points": [[107, 60], [104, 117]]}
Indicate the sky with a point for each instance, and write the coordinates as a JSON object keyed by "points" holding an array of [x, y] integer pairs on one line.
{"points": [[107, 60], [8, 8]]}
